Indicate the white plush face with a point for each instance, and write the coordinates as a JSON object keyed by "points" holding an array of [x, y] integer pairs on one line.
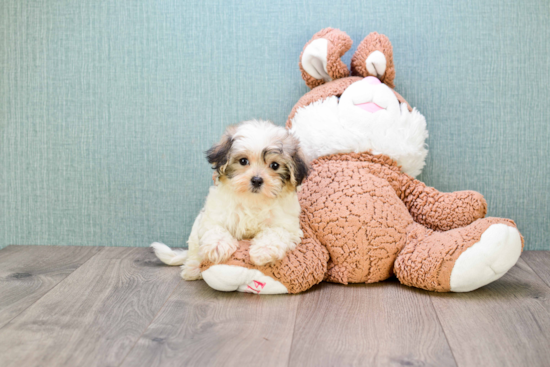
{"points": [[368, 99], [367, 117]]}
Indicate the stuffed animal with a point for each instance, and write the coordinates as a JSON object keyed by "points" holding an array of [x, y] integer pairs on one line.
{"points": [[364, 216]]}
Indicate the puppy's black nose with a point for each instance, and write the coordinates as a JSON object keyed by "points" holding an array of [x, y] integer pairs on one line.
{"points": [[257, 181]]}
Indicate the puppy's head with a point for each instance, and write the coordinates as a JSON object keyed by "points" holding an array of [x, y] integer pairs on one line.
{"points": [[258, 158]]}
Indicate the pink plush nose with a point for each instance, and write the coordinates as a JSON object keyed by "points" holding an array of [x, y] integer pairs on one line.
{"points": [[370, 106], [371, 80]]}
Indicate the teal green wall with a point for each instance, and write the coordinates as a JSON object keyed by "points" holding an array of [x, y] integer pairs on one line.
{"points": [[106, 107]]}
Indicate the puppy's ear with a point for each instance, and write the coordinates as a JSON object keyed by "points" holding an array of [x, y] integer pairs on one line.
{"points": [[300, 168], [218, 155]]}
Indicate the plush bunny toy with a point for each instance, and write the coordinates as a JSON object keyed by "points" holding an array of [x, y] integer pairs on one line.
{"points": [[364, 216]]}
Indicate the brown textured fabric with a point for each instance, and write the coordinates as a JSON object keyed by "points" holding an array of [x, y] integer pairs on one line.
{"points": [[356, 215], [442, 211], [338, 44], [429, 257], [437, 210], [374, 42]]}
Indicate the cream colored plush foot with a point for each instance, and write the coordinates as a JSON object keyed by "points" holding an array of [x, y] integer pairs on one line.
{"points": [[489, 259], [228, 278]]}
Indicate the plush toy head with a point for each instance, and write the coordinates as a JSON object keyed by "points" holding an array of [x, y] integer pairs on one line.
{"points": [[357, 113]]}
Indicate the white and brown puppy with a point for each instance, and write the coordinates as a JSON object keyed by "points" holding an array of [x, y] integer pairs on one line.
{"points": [[259, 166]]}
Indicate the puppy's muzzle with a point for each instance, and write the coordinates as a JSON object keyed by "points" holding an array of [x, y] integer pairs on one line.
{"points": [[256, 182]]}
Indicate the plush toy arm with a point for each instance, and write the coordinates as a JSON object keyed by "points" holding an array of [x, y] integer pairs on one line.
{"points": [[306, 265], [374, 57], [320, 60], [441, 211]]}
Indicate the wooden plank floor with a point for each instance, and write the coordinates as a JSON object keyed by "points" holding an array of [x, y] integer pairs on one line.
{"points": [[90, 306]]}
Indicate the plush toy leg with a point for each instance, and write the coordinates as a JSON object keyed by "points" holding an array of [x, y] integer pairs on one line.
{"points": [[298, 271], [228, 278], [459, 260]]}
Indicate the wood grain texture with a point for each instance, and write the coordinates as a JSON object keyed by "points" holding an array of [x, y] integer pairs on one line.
{"points": [[121, 306], [506, 323], [382, 324], [539, 261], [94, 316], [29, 272], [202, 327]]}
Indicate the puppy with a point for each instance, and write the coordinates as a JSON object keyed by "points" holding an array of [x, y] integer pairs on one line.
{"points": [[258, 168]]}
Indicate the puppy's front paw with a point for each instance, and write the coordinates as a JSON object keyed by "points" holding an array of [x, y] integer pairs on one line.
{"points": [[262, 253], [218, 251], [191, 270]]}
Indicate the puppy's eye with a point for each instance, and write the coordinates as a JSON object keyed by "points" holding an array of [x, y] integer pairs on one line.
{"points": [[274, 166], [243, 161]]}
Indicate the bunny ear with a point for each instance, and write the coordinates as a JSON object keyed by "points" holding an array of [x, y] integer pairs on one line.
{"points": [[374, 57], [320, 60]]}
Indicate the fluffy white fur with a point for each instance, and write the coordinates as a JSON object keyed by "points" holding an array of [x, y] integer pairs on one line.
{"points": [[234, 211], [337, 125]]}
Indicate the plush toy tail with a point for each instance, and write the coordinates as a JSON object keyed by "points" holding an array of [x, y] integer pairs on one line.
{"points": [[169, 256]]}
